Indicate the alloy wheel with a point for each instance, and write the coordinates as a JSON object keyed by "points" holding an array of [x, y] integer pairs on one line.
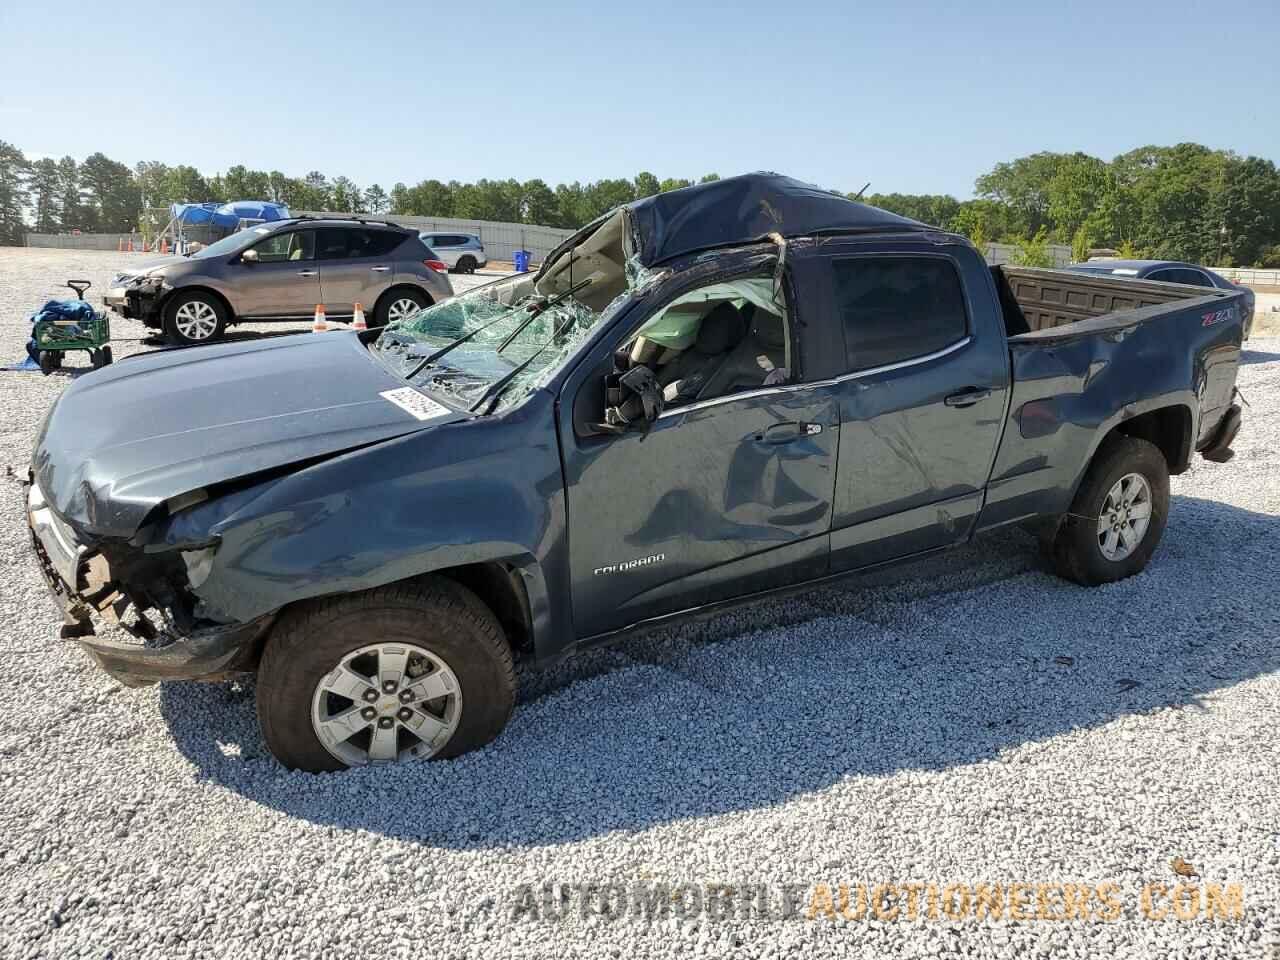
{"points": [[402, 308], [1124, 517], [386, 702], [196, 320]]}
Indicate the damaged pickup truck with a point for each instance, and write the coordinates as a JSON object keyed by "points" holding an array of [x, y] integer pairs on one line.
{"points": [[705, 397]]}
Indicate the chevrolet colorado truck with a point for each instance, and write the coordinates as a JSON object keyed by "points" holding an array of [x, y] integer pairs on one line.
{"points": [[705, 397]]}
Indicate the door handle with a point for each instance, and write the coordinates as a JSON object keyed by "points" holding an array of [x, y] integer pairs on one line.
{"points": [[306, 273], [786, 432], [379, 269], [967, 397]]}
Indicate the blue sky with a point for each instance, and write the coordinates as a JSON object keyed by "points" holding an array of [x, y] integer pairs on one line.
{"points": [[912, 97]]}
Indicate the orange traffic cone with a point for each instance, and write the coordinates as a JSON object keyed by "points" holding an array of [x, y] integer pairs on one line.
{"points": [[164, 245], [357, 320], [321, 324]]}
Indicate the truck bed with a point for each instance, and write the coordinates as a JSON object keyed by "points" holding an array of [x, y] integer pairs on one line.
{"points": [[1035, 300], [1087, 354]]}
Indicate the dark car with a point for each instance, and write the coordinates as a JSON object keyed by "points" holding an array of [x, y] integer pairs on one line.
{"points": [[705, 397], [1171, 271], [281, 271]]}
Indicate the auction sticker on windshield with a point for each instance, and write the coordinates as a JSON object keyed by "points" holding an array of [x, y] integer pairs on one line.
{"points": [[422, 407]]}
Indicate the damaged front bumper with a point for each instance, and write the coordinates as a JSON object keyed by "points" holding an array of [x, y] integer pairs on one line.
{"points": [[136, 300], [212, 652]]}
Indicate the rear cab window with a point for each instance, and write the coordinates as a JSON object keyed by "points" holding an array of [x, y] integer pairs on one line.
{"points": [[895, 309]]}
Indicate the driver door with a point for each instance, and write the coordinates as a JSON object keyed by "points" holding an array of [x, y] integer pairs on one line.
{"points": [[719, 498], [283, 282]]}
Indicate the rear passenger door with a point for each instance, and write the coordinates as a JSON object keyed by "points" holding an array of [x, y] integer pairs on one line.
{"points": [[356, 266], [922, 400]]}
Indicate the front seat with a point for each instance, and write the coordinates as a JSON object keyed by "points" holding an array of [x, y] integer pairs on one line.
{"points": [[720, 331], [759, 359]]}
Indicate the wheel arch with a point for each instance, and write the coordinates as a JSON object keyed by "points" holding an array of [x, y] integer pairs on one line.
{"points": [[511, 587], [1169, 425], [163, 307], [385, 297], [1168, 428]]}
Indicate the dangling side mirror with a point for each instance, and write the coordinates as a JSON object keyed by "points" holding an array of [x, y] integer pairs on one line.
{"points": [[632, 400]]}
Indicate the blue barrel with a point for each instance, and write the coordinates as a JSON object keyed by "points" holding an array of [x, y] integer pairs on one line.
{"points": [[521, 259]]}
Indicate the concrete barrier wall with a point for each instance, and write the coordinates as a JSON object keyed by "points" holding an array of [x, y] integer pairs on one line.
{"points": [[998, 253], [85, 241]]}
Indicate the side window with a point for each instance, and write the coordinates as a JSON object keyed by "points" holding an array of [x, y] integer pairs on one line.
{"points": [[1199, 278], [379, 243], [1164, 276], [290, 245], [331, 243], [897, 308], [717, 340]]}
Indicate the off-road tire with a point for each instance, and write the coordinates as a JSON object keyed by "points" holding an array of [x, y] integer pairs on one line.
{"points": [[179, 300], [1074, 550], [431, 612]]}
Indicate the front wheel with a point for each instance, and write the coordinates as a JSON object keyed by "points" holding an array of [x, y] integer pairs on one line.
{"points": [[194, 318], [1118, 515], [401, 673]]}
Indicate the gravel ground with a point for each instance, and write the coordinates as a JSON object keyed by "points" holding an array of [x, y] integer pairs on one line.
{"points": [[967, 720]]}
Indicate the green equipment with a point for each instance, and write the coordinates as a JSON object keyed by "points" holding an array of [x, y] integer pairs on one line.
{"points": [[53, 338]]}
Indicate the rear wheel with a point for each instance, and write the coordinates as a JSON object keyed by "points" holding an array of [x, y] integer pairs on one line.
{"points": [[399, 304], [1118, 515], [194, 318], [467, 264], [50, 360], [401, 673], [100, 357]]}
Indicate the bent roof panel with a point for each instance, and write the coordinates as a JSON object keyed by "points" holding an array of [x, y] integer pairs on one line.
{"points": [[741, 209]]}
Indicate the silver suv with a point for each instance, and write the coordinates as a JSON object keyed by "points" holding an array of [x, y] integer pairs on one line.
{"points": [[280, 271], [463, 252]]}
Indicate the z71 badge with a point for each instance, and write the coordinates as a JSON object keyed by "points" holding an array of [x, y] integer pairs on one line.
{"points": [[1218, 316]]}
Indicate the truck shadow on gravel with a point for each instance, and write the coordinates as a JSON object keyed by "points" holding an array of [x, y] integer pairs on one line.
{"points": [[931, 666], [1248, 356]]}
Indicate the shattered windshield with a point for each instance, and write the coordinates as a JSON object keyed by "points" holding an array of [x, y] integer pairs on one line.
{"points": [[532, 331], [488, 349]]}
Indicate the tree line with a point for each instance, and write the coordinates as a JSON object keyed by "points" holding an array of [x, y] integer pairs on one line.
{"points": [[1184, 202]]}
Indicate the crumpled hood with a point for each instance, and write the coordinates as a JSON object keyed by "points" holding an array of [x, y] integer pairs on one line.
{"points": [[150, 266], [124, 439]]}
